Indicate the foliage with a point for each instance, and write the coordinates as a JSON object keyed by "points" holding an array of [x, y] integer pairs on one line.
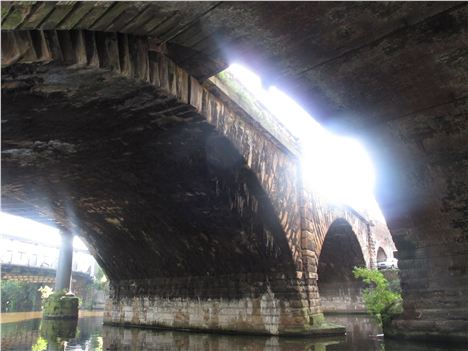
{"points": [[100, 280], [379, 299], [40, 345], [52, 298], [45, 291], [96, 343], [25, 296], [19, 296]]}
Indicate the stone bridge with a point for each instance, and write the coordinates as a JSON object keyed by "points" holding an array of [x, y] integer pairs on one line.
{"points": [[39, 274], [198, 214]]}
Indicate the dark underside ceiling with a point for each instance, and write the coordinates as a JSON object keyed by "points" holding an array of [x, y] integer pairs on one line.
{"points": [[135, 172], [350, 64]]}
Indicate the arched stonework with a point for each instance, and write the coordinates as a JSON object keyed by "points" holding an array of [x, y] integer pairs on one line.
{"points": [[339, 290], [162, 180], [381, 255], [418, 144], [164, 192]]}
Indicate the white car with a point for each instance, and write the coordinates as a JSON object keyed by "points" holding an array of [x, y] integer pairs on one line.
{"points": [[390, 263]]}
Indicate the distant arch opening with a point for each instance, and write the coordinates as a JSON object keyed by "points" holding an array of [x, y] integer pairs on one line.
{"points": [[381, 255], [339, 290]]}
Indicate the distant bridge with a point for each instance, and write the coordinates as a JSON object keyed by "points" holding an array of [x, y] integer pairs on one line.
{"points": [[33, 274], [32, 261]]}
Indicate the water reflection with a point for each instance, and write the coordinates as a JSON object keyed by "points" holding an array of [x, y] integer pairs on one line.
{"points": [[89, 334], [137, 339], [362, 333], [53, 335]]}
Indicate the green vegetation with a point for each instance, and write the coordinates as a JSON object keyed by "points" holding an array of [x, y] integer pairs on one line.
{"points": [[56, 333], [40, 344], [25, 296], [100, 281], [99, 284], [60, 305], [380, 300], [19, 296]]}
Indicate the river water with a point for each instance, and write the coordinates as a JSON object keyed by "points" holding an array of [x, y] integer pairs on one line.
{"points": [[88, 333]]}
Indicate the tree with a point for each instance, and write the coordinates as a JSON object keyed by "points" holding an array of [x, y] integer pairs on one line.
{"points": [[19, 296], [380, 300]]}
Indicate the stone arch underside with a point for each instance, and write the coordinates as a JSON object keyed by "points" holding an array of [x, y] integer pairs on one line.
{"points": [[339, 290], [155, 193], [172, 197], [158, 195], [418, 144]]}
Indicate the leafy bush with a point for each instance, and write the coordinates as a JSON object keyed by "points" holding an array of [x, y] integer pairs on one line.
{"points": [[380, 300], [19, 296]]}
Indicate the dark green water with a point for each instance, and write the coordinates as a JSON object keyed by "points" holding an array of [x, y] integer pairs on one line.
{"points": [[89, 334]]}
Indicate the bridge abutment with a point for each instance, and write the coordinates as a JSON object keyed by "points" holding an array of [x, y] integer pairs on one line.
{"points": [[276, 304]]}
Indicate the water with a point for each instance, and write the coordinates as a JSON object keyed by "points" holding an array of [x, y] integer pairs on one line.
{"points": [[88, 333]]}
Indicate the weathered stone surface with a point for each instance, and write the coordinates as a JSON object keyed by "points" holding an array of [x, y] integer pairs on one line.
{"points": [[415, 97], [341, 252], [427, 217], [233, 303], [212, 204], [60, 306], [309, 56]]}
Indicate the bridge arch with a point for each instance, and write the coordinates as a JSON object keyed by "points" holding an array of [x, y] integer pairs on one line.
{"points": [[154, 137], [341, 251], [160, 178], [381, 255], [424, 206]]}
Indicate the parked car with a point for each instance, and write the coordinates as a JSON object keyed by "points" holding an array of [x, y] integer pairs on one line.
{"points": [[390, 263]]}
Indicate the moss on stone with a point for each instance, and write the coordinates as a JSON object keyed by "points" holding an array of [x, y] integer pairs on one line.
{"points": [[60, 305], [317, 319]]}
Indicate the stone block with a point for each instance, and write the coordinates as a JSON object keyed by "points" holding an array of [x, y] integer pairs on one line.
{"points": [[60, 306]]}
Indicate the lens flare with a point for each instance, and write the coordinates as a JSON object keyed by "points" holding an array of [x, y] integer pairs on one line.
{"points": [[335, 167]]}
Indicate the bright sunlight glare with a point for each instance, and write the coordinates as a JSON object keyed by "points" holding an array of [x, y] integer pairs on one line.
{"points": [[335, 167], [28, 229]]}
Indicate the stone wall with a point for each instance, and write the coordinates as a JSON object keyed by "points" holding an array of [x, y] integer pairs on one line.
{"points": [[243, 303], [319, 215], [342, 298], [383, 239], [341, 251], [416, 96], [427, 216], [179, 184]]}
